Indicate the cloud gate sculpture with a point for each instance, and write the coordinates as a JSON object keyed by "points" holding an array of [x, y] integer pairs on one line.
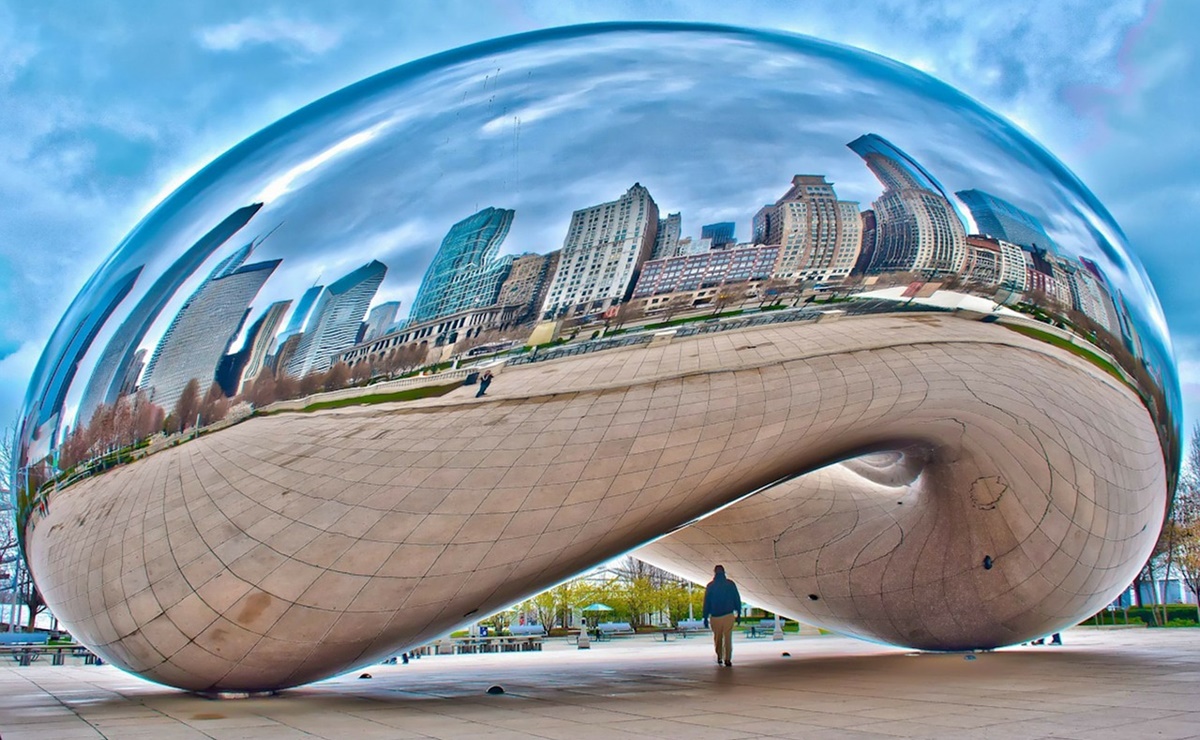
{"points": [[740, 296]]}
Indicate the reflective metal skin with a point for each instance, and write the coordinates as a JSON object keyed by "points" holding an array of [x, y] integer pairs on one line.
{"points": [[924, 394]]}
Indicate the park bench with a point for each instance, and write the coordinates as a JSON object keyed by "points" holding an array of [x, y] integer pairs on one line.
{"points": [[758, 628], [691, 625], [529, 630], [608, 630]]}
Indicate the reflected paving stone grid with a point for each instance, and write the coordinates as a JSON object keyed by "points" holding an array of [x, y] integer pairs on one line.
{"points": [[944, 421]]}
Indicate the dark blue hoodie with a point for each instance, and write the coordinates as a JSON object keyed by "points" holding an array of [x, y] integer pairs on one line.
{"points": [[721, 597]]}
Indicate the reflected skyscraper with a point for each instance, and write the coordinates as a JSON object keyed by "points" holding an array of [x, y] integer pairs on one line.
{"points": [[335, 320], [998, 218], [527, 282], [379, 319], [917, 228], [819, 236], [261, 338], [465, 272], [603, 253], [666, 239], [719, 234], [64, 372], [295, 324], [200, 334], [112, 369]]}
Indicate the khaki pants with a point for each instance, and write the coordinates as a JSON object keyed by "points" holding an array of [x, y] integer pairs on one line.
{"points": [[722, 629]]}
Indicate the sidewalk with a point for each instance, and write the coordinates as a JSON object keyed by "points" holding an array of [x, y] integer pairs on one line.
{"points": [[1102, 683]]}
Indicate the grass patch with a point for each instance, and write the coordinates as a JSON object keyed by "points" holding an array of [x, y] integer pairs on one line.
{"points": [[692, 319], [409, 394], [1069, 346]]}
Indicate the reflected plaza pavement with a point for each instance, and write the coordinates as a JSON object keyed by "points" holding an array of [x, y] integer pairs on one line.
{"points": [[1102, 684]]}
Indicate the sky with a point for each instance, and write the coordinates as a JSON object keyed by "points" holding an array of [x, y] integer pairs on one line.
{"points": [[107, 108]]}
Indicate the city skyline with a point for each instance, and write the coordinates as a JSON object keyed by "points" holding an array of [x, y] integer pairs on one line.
{"points": [[816, 237], [409, 232]]}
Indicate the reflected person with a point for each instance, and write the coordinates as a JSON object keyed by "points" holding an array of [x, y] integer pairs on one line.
{"points": [[722, 607], [484, 381]]}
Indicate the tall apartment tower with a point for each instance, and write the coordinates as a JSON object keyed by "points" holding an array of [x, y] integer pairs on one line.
{"points": [[465, 273], [602, 254], [527, 282], [819, 237], [200, 333], [1000, 219], [380, 318], [115, 363], [261, 338], [666, 239], [917, 228], [63, 374], [335, 319], [719, 235], [300, 315]]}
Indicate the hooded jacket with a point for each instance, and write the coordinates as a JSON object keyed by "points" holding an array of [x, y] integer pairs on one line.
{"points": [[721, 597]]}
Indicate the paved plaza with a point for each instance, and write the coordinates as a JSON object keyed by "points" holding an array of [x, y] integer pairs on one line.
{"points": [[1123, 683]]}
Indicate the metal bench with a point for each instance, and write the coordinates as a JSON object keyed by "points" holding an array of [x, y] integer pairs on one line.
{"points": [[608, 630]]}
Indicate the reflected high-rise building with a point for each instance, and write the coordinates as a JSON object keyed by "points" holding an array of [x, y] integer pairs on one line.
{"points": [[603, 253], [335, 319], [202, 330], [991, 261], [527, 283], [465, 273], [666, 239], [261, 338], [380, 319], [917, 228], [819, 237], [304, 307], [63, 375], [113, 367], [998, 218], [719, 234]]}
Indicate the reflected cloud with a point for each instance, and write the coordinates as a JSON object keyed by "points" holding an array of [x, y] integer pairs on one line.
{"points": [[545, 201]]}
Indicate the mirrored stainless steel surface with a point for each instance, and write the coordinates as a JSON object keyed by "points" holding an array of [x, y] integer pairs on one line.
{"points": [[476, 324]]}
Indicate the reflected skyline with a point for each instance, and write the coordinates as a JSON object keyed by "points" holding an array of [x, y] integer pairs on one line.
{"points": [[912, 231], [916, 257]]}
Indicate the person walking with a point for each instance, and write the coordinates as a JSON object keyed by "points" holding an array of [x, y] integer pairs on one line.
{"points": [[722, 607], [484, 381]]}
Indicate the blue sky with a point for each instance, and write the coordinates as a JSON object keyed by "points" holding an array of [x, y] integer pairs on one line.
{"points": [[108, 107]]}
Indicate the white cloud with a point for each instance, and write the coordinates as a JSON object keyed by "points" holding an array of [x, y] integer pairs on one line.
{"points": [[290, 34]]}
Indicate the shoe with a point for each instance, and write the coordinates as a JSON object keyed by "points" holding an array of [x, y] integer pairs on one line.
{"points": [[729, 664], [718, 661]]}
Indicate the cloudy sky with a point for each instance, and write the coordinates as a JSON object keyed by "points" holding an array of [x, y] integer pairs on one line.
{"points": [[108, 107]]}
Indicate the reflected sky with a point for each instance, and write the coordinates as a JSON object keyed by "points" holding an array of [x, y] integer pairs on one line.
{"points": [[713, 121]]}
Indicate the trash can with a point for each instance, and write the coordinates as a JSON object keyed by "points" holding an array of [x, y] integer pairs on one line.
{"points": [[472, 378]]}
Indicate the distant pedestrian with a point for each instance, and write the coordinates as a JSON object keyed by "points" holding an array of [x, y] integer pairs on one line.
{"points": [[484, 381], [722, 607]]}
